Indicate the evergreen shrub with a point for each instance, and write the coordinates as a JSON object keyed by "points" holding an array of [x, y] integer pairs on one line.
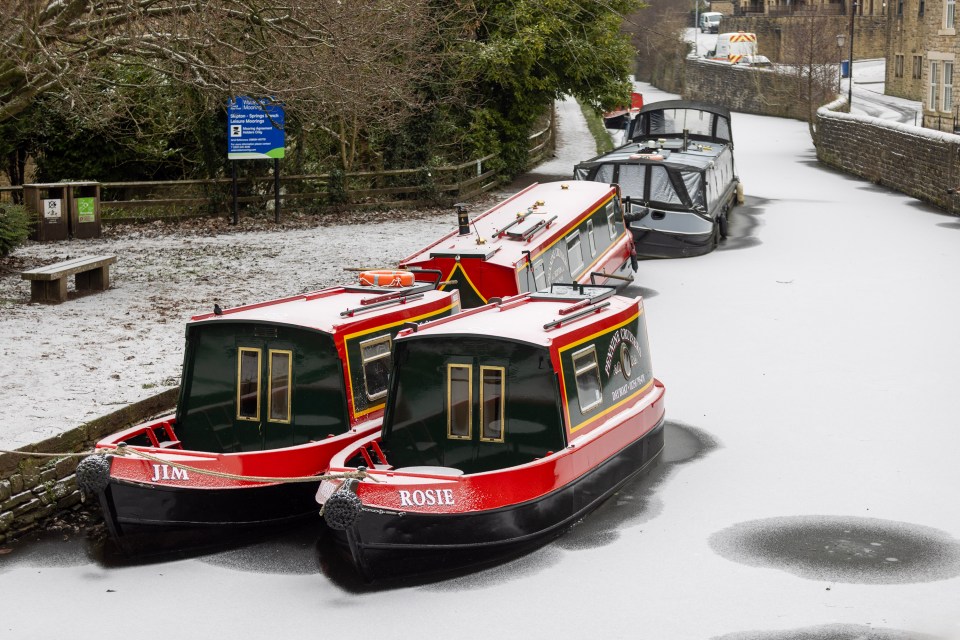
{"points": [[14, 227]]}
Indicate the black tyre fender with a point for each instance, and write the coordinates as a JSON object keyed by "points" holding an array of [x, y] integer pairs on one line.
{"points": [[93, 474], [722, 224], [342, 509]]}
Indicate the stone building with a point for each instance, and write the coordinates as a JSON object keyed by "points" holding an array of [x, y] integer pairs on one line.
{"points": [[819, 7], [922, 45]]}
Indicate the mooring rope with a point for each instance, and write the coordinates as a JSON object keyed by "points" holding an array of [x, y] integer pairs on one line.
{"points": [[124, 450]]}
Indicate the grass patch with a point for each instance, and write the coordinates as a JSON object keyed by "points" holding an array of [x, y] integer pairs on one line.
{"points": [[595, 124]]}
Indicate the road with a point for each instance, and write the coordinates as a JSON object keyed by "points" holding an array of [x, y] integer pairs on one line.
{"points": [[805, 490]]}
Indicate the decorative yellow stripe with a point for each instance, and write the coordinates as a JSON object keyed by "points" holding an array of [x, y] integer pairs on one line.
{"points": [[456, 266]]}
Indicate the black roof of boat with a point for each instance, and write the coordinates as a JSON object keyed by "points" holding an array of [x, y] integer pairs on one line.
{"points": [[685, 104]]}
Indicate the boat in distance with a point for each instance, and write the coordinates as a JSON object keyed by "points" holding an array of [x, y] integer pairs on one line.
{"points": [[269, 391], [549, 232], [677, 177], [505, 424]]}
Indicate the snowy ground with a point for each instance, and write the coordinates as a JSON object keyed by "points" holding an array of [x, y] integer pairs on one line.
{"points": [[806, 491]]}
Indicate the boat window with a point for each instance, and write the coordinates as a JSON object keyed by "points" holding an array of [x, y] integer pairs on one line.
{"points": [[281, 370], [375, 354], [633, 178], [612, 220], [539, 275], [491, 403], [625, 365], [574, 252], [248, 384], [592, 237], [693, 181], [588, 378], [604, 174], [459, 401], [661, 189]]}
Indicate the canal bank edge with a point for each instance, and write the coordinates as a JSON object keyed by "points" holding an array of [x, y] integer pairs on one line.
{"points": [[35, 488]]}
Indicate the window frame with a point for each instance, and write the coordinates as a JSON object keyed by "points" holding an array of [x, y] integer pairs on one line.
{"points": [[289, 372], [501, 402], [364, 361], [259, 384], [540, 277], [934, 95], [469, 368], [592, 238], [574, 238], [611, 219], [946, 93], [594, 366], [949, 14]]}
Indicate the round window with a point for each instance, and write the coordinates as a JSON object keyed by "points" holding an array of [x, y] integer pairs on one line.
{"points": [[625, 360]]}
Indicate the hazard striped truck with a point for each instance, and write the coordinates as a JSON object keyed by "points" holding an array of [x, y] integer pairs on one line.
{"points": [[734, 47]]}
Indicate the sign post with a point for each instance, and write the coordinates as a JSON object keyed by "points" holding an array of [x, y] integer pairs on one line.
{"points": [[255, 131]]}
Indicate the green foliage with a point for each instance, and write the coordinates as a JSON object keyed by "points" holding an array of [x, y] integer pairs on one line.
{"points": [[597, 130], [14, 227]]}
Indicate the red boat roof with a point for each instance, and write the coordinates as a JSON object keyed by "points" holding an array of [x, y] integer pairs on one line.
{"points": [[557, 204], [325, 310], [540, 318]]}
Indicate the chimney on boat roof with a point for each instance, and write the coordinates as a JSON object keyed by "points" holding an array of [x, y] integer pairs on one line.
{"points": [[463, 218]]}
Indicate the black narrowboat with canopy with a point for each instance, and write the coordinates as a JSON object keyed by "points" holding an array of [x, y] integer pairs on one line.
{"points": [[269, 390], [505, 424], [677, 177]]}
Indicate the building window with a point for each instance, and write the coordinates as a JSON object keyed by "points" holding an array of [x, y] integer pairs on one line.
{"points": [[949, 10], [899, 7], [491, 403], [898, 66], [375, 354], [278, 398], [920, 10], [934, 87], [917, 67], [947, 86], [459, 401], [587, 373]]}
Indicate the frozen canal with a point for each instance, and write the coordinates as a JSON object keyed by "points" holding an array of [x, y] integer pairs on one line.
{"points": [[806, 490]]}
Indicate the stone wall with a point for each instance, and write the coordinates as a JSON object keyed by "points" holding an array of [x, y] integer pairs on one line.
{"points": [[918, 162], [773, 34], [33, 489], [746, 89]]}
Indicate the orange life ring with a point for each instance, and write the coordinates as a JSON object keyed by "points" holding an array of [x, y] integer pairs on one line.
{"points": [[386, 278]]}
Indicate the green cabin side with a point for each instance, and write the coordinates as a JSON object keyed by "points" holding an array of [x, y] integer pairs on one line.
{"points": [[571, 256], [251, 386], [471, 403], [604, 371]]}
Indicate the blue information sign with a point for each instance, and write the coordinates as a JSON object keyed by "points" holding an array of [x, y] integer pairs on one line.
{"points": [[254, 129]]}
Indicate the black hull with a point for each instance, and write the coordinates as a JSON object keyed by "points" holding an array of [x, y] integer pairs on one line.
{"points": [[652, 243], [387, 544], [143, 518]]}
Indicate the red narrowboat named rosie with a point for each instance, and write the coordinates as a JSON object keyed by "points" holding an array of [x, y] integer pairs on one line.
{"points": [[504, 425], [551, 232], [269, 390]]}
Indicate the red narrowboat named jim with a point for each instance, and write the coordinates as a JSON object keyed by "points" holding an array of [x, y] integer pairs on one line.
{"points": [[547, 233], [504, 425], [269, 390]]}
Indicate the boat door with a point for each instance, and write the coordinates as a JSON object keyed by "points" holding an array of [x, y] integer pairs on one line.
{"points": [[475, 395], [264, 395]]}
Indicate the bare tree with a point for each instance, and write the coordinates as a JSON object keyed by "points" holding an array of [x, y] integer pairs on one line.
{"points": [[810, 59], [344, 65]]}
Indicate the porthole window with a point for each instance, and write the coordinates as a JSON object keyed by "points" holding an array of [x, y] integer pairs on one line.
{"points": [[625, 361]]}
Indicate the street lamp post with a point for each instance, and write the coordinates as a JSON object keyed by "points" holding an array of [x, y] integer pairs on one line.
{"points": [[853, 11], [840, 40]]}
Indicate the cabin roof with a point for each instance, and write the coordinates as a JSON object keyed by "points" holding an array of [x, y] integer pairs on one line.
{"points": [[323, 310], [523, 318], [565, 199]]}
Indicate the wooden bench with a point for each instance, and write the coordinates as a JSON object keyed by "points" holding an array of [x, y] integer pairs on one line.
{"points": [[49, 283]]}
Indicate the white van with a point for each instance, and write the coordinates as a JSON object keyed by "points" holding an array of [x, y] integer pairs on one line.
{"points": [[732, 47], [710, 22]]}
